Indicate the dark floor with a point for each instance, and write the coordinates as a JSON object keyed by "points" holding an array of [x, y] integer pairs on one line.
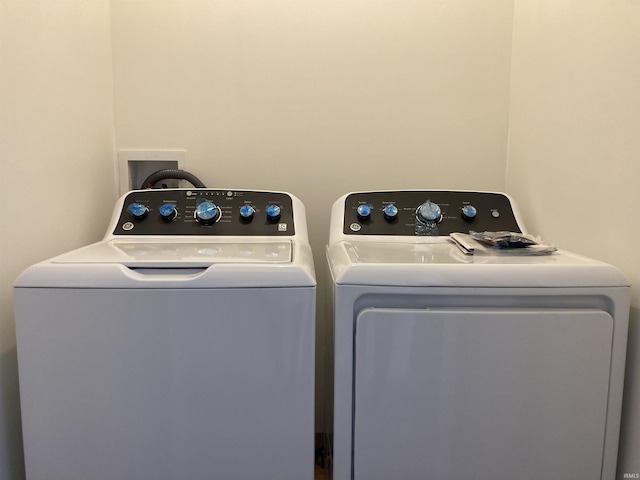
{"points": [[321, 473]]}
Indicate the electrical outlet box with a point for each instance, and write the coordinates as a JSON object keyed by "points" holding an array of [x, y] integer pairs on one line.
{"points": [[136, 165]]}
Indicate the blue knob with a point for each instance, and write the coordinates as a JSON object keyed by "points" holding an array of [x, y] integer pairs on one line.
{"points": [[429, 212], [168, 211], [364, 211], [273, 212], [469, 212], [138, 210], [390, 212], [206, 212], [246, 212]]}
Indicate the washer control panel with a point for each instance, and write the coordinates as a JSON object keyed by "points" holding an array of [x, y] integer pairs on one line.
{"points": [[427, 213], [206, 212]]}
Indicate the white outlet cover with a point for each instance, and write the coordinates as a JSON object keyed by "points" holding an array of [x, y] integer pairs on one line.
{"points": [[136, 163]]}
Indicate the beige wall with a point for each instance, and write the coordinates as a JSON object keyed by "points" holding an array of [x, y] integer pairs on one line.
{"points": [[318, 98], [56, 156], [574, 156]]}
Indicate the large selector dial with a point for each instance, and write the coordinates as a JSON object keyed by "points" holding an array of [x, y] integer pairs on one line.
{"points": [[207, 212], [429, 212]]}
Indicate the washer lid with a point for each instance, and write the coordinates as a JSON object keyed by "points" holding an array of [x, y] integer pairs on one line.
{"points": [[157, 263], [159, 254], [443, 265]]}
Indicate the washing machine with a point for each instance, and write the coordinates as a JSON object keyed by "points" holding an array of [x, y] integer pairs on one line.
{"points": [[181, 346], [452, 362]]}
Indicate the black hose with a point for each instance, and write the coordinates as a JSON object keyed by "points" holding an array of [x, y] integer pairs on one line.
{"points": [[172, 173]]}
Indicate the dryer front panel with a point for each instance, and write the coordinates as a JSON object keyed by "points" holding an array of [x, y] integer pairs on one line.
{"points": [[493, 393]]}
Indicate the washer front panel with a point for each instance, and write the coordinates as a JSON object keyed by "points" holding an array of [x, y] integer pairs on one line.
{"points": [[167, 384]]}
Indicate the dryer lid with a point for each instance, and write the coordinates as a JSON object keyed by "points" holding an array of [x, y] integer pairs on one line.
{"points": [[443, 265]]}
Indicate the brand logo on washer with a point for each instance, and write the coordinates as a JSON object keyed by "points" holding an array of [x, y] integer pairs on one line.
{"points": [[128, 226]]}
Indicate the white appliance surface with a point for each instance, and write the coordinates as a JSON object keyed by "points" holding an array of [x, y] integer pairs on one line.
{"points": [[446, 365], [490, 384], [443, 264], [172, 356]]}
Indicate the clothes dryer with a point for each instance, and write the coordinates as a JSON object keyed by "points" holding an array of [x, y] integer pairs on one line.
{"points": [[181, 346], [447, 365]]}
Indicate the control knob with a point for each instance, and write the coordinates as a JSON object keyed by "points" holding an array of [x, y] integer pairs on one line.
{"points": [[138, 211], [469, 212], [273, 213], [390, 212], [364, 211], [429, 212], [246, 213], [168, 211], [207, 212]]}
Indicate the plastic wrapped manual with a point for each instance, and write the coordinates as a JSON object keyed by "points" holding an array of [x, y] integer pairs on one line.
{"points": [[502, 243]]}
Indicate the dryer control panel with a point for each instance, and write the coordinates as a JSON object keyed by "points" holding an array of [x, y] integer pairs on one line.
{"points": [[206, 212], [427, 213]]}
